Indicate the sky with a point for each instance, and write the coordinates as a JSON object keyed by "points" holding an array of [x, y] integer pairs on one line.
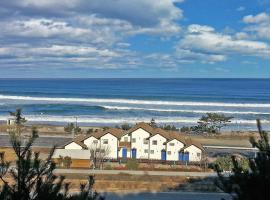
{"points": [[135, 38]]}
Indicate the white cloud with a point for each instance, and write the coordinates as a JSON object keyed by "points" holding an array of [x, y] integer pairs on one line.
{"points": [[261, 17], [204, 41], [145, 13], [42, 28], [258, 24]]}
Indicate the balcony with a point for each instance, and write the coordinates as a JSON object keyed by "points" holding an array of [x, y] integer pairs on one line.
{"points": [[125, 144]]}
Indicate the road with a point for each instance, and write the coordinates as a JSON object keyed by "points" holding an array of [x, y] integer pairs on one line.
{"points": [[42, 141], [132, 172], [169, 196]]}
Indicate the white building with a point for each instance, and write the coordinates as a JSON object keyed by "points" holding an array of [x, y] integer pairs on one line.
{"points": [[140, 142]]}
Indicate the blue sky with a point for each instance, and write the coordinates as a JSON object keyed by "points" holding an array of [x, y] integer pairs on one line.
{"points": [[135, 38]]}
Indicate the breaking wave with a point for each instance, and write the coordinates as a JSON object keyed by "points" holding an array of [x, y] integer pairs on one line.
{"points": [[187, 111], [134, 101]]}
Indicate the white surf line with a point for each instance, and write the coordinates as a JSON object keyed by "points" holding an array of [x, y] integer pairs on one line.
{"points": [[131, 120], [179, 110], [133, 101]]}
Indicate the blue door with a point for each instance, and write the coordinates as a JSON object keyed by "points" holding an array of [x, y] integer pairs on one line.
{"points": [[186, 156], [124, 153], [133, 153], [163, 155], [180, 156]]}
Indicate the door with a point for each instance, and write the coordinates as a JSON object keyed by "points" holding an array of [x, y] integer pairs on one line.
{"points": [[186, 156], [180, 156], [134, 153], [124, 153], [163, 155]]}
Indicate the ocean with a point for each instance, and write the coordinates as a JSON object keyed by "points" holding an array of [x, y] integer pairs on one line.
{"points": [[110, 102]]}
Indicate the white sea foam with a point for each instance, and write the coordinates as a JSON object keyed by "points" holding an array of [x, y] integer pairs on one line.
{"points": [[187, 111], [132, 120], [135, 102]]}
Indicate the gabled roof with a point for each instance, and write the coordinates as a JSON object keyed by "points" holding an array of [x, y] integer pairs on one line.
{"points": [[77, 142], [114, 131], [190, 142], [143, 126]]}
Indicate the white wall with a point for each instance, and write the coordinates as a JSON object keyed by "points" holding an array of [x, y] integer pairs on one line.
{"points": [[73, 145], [112, 145], [195, 154], [89, 142], [139, 136], [122, 139], [157, 148], [174, 149], [73, 153]]}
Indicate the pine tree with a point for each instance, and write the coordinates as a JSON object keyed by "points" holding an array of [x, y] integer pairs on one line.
{"points": [[33, 178], [252, 183]]}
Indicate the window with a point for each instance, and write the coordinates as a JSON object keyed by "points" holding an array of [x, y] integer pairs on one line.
{"points": [[105, 141], [133, 140], [154, 142], [126, 139], [152, 151], [169, 152], [95, 141], [171, 144], [145, 141], [146, 151], [198, 155], [102, 150]]}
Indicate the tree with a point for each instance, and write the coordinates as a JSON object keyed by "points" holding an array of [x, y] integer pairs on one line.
{"points": [[254, 182], [98, 153], [125, 127], [213, 122], [185, 129], [169, 128], [19, 119], [33, 178], [153, 123], [70, 128], [90, 131]]}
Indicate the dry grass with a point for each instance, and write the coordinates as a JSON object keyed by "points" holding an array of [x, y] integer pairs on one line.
{"points": [[128, 183], [9, 154]]}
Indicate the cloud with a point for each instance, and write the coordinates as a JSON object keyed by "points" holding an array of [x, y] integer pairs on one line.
{"points": [[41, 28], [258, 25], [204, 41], [261, 17], [143, 13]]}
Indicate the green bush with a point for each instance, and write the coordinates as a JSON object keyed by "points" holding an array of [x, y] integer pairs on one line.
{"points": [[226, 164], [132, 164]]}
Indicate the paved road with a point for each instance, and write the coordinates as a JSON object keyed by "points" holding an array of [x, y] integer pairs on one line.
{"points": [[169, 196], [153, 173], [42, 141]]}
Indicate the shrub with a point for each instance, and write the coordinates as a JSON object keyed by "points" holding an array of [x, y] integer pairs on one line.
{"points": [[67, 161], [226, 163], [132, 164]]}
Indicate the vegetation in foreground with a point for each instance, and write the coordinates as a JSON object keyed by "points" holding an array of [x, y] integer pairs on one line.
{"points": [[33, 178], [253, 182]]}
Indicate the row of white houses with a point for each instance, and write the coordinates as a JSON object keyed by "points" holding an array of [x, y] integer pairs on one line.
{"points": [[140, 142]]}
